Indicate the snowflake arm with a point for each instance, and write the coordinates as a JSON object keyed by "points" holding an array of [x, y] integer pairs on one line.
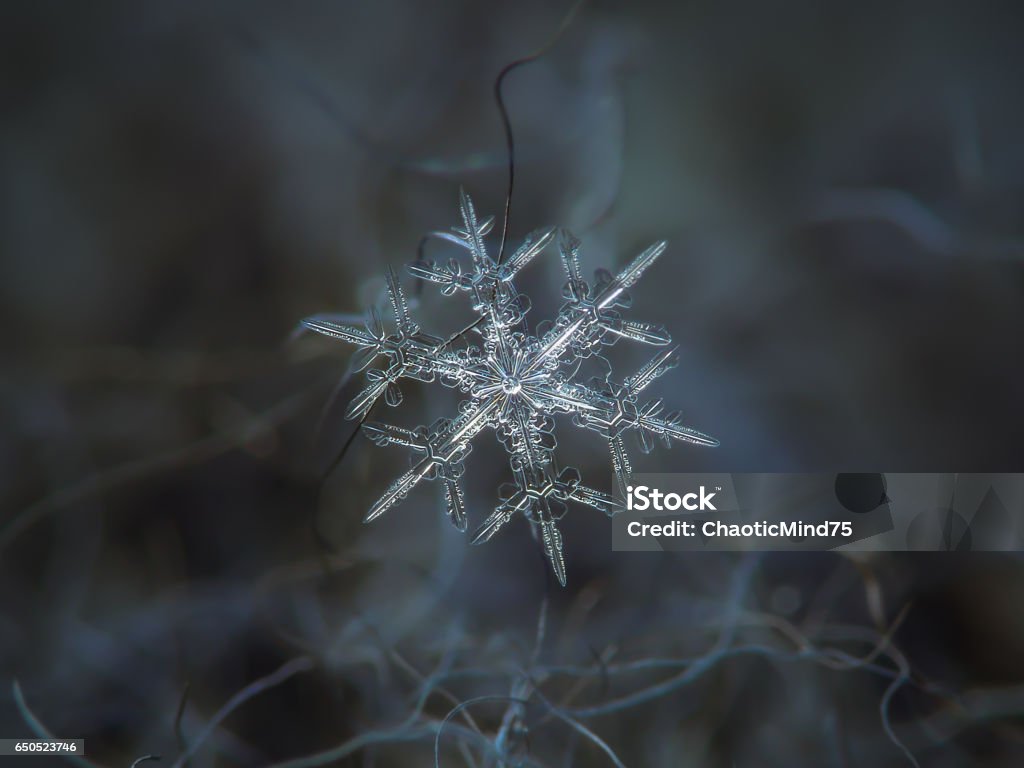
{"points": [[534, 243], [343, 331], [407, 329], [583, 321]]}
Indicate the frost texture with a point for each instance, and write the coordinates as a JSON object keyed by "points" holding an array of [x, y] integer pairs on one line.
{"points": [[514, 381]]}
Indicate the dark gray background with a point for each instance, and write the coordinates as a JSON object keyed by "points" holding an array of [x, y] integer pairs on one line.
{"points": [[841, 186]]}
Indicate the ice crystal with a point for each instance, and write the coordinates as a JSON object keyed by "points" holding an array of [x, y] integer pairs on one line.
{"points": [[514, 380]]}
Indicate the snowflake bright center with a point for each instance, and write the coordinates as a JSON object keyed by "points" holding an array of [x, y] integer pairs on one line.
{"points": [[511, 385]]}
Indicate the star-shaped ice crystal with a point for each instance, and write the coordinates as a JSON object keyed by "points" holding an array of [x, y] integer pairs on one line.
{"points": [[514, 381]]}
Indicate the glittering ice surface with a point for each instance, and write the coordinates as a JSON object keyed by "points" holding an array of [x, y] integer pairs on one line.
{"points": [[514, 380]]}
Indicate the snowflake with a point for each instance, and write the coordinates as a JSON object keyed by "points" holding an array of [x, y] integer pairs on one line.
{"points": [[514, 381]]}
